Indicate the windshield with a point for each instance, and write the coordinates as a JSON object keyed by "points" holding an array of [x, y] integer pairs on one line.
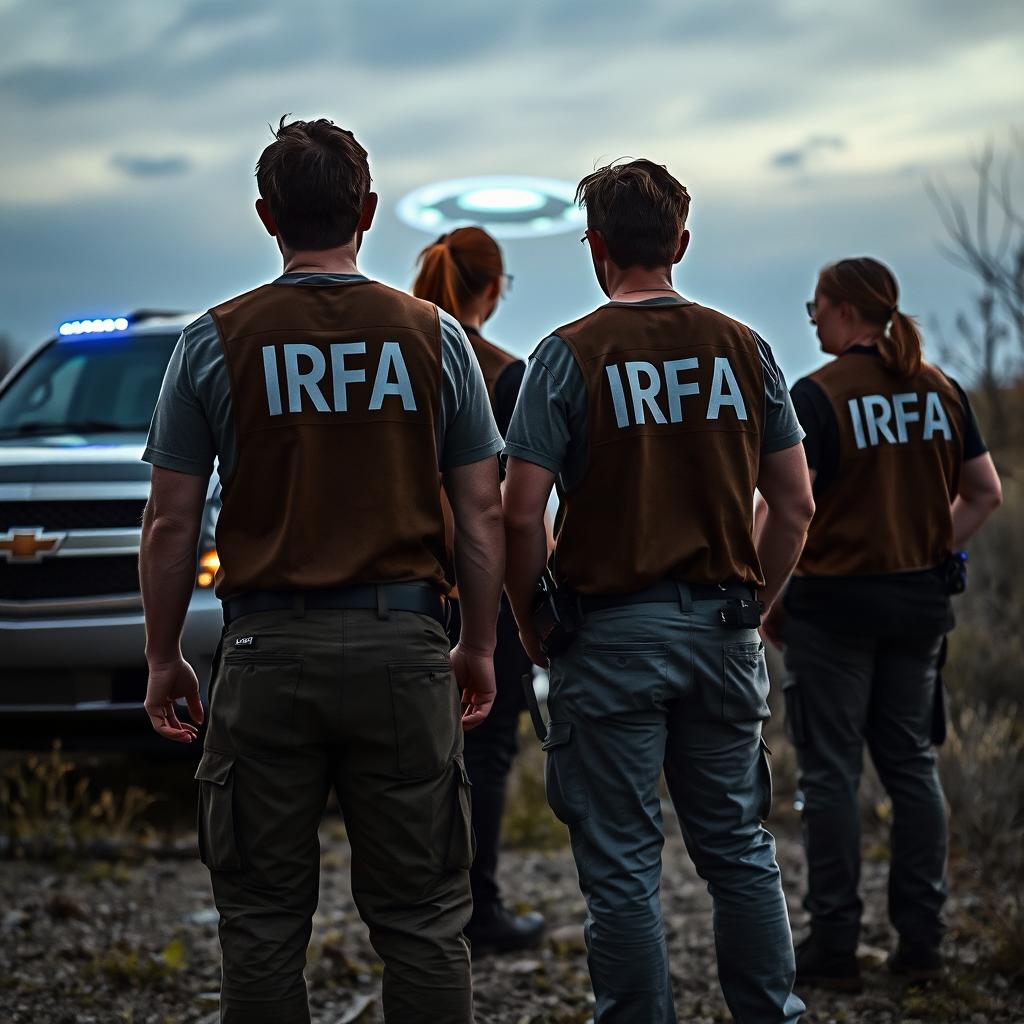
{"points": [[87, 385]]}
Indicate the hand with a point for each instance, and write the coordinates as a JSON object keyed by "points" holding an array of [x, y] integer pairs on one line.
{"points": [[474, 672], [531, 644], [169, 681], [771, 626]]}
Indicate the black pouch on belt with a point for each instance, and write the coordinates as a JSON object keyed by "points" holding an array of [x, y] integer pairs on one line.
{"points": [[741, 614], [555, 616]]}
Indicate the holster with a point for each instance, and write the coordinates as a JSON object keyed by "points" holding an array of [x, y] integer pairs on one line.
{"points": [[556, 616]]}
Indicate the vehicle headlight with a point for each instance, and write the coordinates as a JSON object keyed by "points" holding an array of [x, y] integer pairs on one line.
{"points": [[209, 563]]}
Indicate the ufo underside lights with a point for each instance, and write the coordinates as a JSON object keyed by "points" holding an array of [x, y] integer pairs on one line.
{"points": [[508, 206]]}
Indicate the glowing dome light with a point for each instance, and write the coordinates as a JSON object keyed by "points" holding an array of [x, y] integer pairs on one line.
{"points": [[509, 206], [101, 325], [502, 200]]}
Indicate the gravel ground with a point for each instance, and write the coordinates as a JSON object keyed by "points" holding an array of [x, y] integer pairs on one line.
{"points": [[137, 942]]}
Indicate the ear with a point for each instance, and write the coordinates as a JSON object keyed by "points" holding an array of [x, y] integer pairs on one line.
{"points": [[598, 248], [266, 217], [493, 292], [369, 209], [684, 244]]}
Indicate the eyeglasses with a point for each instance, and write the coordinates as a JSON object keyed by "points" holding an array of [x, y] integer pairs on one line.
{"points": [[811, 308], [583, 240]]}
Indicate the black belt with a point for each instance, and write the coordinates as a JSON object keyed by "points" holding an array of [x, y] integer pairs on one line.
{"points": [[423, 598], [667, 590]]}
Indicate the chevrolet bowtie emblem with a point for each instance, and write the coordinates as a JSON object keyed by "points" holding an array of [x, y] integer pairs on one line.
{"points": [[29, 543]]}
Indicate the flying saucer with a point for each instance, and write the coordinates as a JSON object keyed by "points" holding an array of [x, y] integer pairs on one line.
{"points": [[508, 206]]}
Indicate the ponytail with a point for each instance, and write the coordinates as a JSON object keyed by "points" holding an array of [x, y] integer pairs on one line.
{"points": [[458, 266], [900, 348], [870, 287], [438, 279]]}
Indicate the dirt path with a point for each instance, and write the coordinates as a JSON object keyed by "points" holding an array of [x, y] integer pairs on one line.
{"points": [[137, 943]]}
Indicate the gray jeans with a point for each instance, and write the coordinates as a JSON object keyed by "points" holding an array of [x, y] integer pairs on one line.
{"points": [[642, 688], [844, 691]]}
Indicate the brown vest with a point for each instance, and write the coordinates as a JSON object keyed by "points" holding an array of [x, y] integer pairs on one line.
{"points": [[901, 446], [493, 361], [336, 392], [675, 406]]}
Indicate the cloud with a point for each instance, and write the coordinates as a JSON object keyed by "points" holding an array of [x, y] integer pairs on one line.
{"points": [[142, 166], [797, 158]]}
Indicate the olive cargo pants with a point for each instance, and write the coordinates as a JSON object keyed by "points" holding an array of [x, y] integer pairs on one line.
{"points": [[366, 703], [650, 687], [842, 692]]}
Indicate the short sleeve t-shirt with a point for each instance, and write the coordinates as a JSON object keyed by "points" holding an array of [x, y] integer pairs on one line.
{"points": [[549, 426], [193, 426]]}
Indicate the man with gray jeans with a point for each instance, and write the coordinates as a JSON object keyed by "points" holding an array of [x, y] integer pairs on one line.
{"points": [[657, 417]]}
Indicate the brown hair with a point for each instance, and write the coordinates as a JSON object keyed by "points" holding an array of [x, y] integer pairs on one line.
{"points": [[639, 209], [870, 287], [456, 267], [315, 178]]}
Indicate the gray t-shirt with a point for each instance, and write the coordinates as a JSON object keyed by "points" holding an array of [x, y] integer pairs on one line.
{"points": [[549, 425], [193, 423]]}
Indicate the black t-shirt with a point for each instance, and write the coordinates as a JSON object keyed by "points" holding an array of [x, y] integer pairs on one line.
{"points": [[889, 604]]}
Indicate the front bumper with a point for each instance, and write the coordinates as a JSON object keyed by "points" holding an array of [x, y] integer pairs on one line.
{"points": [[91, 668]]}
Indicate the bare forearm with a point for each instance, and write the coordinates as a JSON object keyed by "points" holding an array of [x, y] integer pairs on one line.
{"points": [[167, 572], [780, 541], [479, 568], [527, 545], [969, 516]]}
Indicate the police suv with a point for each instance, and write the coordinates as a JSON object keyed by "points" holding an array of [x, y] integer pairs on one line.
{"points": [[73, 422]]}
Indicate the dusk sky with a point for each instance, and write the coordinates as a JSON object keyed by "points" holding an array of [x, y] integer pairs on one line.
{"points": [[804, 131]]}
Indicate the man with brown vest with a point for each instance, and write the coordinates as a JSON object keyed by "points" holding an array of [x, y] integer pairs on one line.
{"points": [[334, 405], [656, 418]]}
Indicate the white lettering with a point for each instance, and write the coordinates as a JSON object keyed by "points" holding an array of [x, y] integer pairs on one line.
{"points": [[308, 381], [618, 396], [676, 390], [858, 427], [271, 379], [877, 414], [725, 391], [904, 415], [935, 418], [391, 356], [341, 375], [644, 396]]}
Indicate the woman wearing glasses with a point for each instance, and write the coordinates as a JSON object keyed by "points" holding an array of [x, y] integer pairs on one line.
{"points": [[464, 274], [902, 479]]}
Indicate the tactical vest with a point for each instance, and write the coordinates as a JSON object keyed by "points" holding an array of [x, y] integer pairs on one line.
{"points": [[901, 444], [335, 392], [493, 363], [493, 360], [675, 412]]}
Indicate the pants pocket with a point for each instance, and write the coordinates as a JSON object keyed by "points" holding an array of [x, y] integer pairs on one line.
{"points": [[744, 683], [795, 725], [563, 775], [765, 780], [462, 843], [425, 707], [218, 848], [253, 701]]}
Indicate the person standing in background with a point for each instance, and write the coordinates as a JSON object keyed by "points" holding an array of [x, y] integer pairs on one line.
{"points": [[463, 273], [902, 480]]}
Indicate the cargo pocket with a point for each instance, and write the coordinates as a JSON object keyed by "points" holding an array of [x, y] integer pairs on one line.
{"points": [[563, 776], [425, 707], [764, 783], [461, 842], [795, 727], [744, 683], [218, 849]]}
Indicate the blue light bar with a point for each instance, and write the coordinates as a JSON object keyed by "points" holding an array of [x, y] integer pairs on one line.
{"points": [[108, 325]]}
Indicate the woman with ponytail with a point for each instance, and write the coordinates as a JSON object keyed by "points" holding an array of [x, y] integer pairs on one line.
{"points": [[902, 479], [464, 274]]}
